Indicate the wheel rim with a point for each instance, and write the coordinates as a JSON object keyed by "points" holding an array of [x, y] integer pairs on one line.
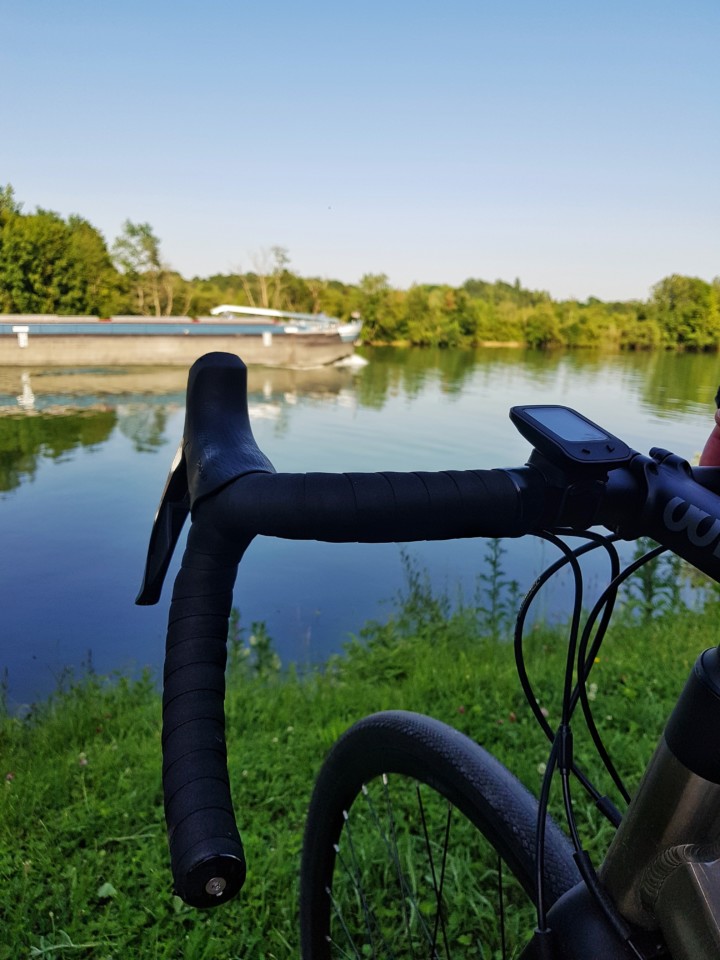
{"points": [[414, 878]]}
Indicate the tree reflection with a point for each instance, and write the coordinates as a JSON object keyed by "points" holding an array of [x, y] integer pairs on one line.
{"points": [[26, 440], [49, 414], [143, 424]]}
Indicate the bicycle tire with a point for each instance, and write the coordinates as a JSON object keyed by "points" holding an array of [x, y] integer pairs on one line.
{"points": [[494, 805]]}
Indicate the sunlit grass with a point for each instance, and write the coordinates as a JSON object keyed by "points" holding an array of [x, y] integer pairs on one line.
{"points": [[83, 861]]}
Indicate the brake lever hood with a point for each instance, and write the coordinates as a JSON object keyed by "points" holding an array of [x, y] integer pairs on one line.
{"points": [[217, 447]]}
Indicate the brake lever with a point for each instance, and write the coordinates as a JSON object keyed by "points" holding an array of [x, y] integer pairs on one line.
{"points": [[167, 526], [217, 448]]}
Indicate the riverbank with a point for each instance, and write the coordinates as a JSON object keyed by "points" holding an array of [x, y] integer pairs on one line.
{"points": [[83, 858]]}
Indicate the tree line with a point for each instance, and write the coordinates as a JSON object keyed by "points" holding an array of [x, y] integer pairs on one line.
{"points": [[51, 264]]}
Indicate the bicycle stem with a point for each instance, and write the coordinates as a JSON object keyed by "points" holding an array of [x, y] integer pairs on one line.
{"points": [[670, 504]]}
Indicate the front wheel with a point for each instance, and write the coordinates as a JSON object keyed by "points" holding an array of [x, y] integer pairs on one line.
{"points": [[409, 826]]}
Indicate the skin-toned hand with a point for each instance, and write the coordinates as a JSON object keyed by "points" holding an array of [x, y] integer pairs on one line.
{"points": [[710, 457]]}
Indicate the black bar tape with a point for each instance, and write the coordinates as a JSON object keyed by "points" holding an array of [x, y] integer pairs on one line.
{"points": [[234, 495], [206, 852], [376, 507]]}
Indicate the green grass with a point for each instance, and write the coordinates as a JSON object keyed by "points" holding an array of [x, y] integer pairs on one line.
{"points": [[83, 861]]}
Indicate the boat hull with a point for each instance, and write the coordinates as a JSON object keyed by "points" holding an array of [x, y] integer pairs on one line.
{"points": [[26, 343]]}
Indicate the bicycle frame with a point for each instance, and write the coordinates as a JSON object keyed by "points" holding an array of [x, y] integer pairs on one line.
{"points": [[664, 861], [662, 869]]}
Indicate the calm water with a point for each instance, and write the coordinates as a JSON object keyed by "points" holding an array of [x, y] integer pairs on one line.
{"points": [[84, 454]]}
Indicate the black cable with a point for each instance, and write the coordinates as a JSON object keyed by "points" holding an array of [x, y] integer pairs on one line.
{"points": [[562, 739], [586, 660], [583, 648], [519, 634], [543, 802], [574, 631], [561, 755], [557, 742], [596, 540]]}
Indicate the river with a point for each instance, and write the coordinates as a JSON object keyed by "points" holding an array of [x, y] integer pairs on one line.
{"points": [[84, 455]]}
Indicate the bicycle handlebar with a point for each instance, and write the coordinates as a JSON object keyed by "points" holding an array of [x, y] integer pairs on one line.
{"points": [[234, 494]]}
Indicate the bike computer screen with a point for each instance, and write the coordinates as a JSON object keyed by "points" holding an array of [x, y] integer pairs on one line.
{"points": [[567, 438]]}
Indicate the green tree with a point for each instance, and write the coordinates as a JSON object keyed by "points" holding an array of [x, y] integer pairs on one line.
{"points": [[640, 330], [423, 317], [317, 290], [590, 324], [9, 207], [508, 321], [542, 328], [48, 265], [91, 281], [211, 291], [154, 288], [686, 310], [378, 307], [32, 248], [438, 316], [279, 276], [265, 287], [337, 299]]}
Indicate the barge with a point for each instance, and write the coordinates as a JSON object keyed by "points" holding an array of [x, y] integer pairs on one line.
{"points": [[266, 337]]}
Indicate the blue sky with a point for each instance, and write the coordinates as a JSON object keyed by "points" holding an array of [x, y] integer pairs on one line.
{"points": [[573, 145]]}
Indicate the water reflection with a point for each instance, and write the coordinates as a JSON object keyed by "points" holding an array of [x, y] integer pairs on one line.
{"points": [[24, 441], [394, 370], [47, 412], [672, 383], [26, 400], [59, 390], [663, 380], [143, 424], [84, 453]]}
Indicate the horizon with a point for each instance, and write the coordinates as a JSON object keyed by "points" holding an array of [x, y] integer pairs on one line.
{"points": [[574, 149]]}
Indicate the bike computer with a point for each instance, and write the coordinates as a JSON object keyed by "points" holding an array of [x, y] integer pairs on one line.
{"points": [[569, 439]]}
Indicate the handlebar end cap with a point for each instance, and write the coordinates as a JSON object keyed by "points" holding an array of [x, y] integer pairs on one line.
{"points": [[212, 881]]}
